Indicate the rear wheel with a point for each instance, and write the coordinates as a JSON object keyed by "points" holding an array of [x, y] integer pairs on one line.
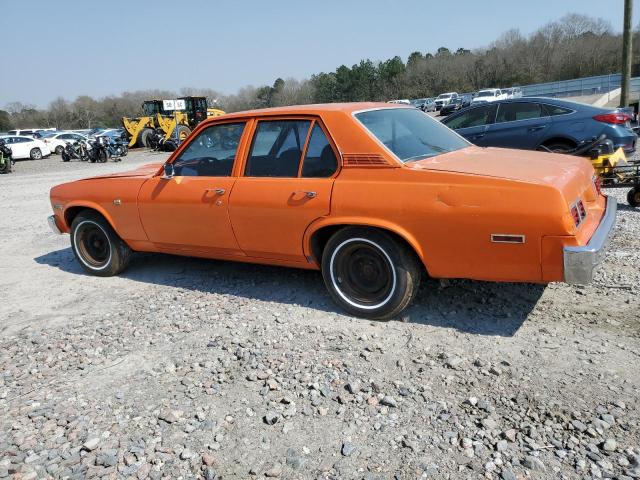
{"points": [[633, 197], [369, 273], [103, 156], [59, 150], [35, 154], [97, 247], [65, 156], [558, 146]]}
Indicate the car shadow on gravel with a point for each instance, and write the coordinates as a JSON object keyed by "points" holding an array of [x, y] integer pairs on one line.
{"points": [[483, 308]]}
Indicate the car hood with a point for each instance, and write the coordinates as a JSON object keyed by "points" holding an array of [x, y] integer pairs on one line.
{"points": [[147, 170], [521, 165]]}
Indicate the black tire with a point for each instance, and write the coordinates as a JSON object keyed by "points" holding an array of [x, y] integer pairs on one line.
{"points": [[97, 247], [558, 146], [103, 155], [369, 273], [65, 156], [633, 197], [181, 133], [35, 154], [143, 137], [59, 149]]}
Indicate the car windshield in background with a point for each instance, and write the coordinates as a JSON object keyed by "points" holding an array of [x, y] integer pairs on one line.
{"points": [[443, 96], [486, 94], [410, 134]]}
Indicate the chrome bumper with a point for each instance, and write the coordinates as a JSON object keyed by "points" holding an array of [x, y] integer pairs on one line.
{"points": [[51, 220], [580, 262]]}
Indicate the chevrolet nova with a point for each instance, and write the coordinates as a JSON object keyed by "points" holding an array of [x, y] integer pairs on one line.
{"points": [[372, 195]]}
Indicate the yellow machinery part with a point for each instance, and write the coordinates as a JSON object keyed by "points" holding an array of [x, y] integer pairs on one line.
{"points": [[215, 112], [134, 126]]}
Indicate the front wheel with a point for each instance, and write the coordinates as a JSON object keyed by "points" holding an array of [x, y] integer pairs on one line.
{"points": [[59, 149], [103, 156], [35, 154], [65, 156], [369, 273], [633, 197], [96, 246]]}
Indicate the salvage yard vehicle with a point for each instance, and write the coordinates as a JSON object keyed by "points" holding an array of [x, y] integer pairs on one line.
{"points": [[488, 95], [371, 194], [140, 128], [453, 106], [6, 162], [26, 147], [56, 141], [539, 123], [444, 99]]}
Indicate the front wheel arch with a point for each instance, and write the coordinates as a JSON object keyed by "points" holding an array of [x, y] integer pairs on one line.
{"points": [[72, 212]]}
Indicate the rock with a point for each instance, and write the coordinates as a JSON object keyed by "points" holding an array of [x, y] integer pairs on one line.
{"points": [[507, 474], [578, 425], [501, 445], [510, 435], [209, 473], [453, 362], [533, 463], [273, 471], [186, 454], [208, 460], [389, 401], [294, 459], [609, 445], [271, 418], [168, 416], [347, 449], [353, 387], [107, 459], [91, 444]]}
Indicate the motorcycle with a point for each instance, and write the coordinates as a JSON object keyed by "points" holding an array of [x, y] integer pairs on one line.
{"points": [[97, 150], [6, 158], [75, 150], [158, 142]]}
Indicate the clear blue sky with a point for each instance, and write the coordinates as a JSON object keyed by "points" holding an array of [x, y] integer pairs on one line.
{"points": [[51, 48]]}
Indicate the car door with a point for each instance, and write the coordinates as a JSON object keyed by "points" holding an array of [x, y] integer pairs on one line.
{"points": [[286, 185], [20, 147], [518, 125], [472, 123], [188, 211]]}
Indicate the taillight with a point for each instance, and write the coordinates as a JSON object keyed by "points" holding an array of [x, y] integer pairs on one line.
{"points": [[578, 212], [613, 118]]}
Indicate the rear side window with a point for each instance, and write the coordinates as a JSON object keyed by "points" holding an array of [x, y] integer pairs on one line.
{"points": [[277, 148], [556, 110], [320, 161], [211, 153], [511, 112]]}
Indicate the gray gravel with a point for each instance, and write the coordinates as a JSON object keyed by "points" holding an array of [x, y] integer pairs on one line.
{"points": [[185, 368]]}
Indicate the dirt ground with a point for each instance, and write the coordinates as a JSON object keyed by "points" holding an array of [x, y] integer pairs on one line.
{"points": [[187, 368]]}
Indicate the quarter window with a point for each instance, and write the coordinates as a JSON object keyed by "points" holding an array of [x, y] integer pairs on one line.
{"points": [[511, 112], [277, 148], [211, 153], [320, 160], [556, 110]]}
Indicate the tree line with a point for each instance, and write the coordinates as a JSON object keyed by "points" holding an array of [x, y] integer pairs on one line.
{"points": [[574, 46]]}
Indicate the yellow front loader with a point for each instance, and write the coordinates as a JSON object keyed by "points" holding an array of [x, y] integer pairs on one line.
{"points": [[180, 123], [139, 129]]}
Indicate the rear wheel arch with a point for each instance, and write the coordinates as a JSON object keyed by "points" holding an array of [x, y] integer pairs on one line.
{"points": [[570, 143], [318, 238]]}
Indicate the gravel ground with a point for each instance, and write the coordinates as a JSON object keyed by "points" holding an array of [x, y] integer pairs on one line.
{"points": [[185, 368]]}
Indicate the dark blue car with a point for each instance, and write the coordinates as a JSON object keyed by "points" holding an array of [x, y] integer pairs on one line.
{"points": [[530, 122]]}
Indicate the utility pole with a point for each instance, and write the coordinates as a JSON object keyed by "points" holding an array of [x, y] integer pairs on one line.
{"points": [[626, 54]]}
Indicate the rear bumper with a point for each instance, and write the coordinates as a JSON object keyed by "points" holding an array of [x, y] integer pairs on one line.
{"points": [[580, 262], [51, 220]]}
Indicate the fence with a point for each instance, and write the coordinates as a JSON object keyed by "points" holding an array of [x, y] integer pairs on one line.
{"points": [[582, 86]]}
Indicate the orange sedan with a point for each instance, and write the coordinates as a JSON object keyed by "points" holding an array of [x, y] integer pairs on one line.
{"points": [[373, 195]]}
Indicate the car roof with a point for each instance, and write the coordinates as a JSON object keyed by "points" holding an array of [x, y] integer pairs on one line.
{"points": [[314, 109]]}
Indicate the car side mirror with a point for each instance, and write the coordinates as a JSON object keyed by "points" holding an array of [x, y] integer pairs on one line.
{"points": [[168, 171]]}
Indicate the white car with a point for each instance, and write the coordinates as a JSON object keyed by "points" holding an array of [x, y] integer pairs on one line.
{"points": [[26, 147], [513, 92], [444, 99], [56, 141], [402, 101], [488, 95]]}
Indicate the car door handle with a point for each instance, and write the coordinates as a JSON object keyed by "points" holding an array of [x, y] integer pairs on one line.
{"points": [[475, 137], [216, 190], [306, 193], [536, 128]]}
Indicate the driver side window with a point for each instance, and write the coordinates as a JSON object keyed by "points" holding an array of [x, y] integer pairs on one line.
{"points": [[211, 153]]}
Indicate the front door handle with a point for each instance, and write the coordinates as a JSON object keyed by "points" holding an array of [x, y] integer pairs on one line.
{"points": [[535, 129], [216, 190], [475, 137], [306, 193]]}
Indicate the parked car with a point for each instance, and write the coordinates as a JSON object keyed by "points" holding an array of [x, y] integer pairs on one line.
{"points": [[530, 122], [466, 100], [378, 194], [429, 105], [444, 99], [513, 92], [56, 141], [26, 147], [453, 106], [488, 95], [402, 101]]}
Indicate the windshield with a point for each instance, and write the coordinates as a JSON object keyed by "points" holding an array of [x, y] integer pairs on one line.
{"points": [[444, 95], [487, 93], [410, 134]]}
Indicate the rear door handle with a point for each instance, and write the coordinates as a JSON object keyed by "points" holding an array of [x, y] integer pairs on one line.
{"points": [[536, 128], [475, 137], [216, 190], [306, 193]]}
